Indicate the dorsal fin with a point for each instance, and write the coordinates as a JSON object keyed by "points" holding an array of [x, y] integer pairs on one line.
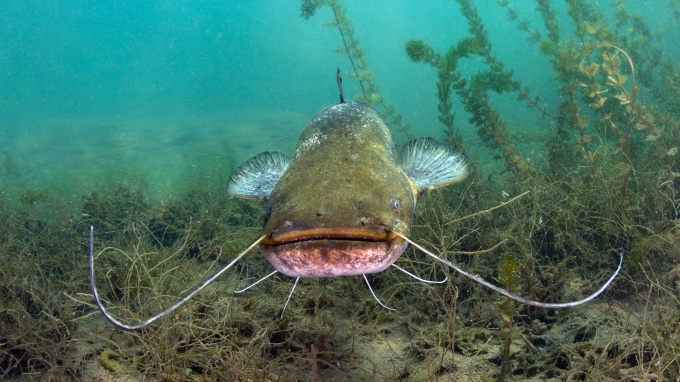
{"points": [[339, 79], [432, 164], [256, 178]]}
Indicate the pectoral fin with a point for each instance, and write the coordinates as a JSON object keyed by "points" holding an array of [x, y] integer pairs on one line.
{"points": [[431, 164], [256, 178]]}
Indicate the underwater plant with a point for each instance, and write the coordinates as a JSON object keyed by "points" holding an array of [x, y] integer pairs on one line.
{"points": [[508, 276], [473, 92], [370, 92], [609, 142], [447, 75]]}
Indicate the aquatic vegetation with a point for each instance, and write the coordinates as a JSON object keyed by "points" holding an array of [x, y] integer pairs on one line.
{"points": [[473, 92], [38, 329], [370, 92], [591, 196], [447, 75], [507, 276], [105, 359]]}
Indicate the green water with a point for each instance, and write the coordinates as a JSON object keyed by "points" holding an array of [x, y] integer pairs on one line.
{"points": [[92, 91]]}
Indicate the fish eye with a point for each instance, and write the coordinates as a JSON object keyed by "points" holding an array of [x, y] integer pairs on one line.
{"points": [[395, 205]]}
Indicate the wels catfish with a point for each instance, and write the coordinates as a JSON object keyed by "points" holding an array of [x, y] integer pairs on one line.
{"points": [[343, 205]]}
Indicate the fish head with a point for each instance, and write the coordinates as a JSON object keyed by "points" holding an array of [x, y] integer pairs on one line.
{"points": [[334, 210], [342, 205]]}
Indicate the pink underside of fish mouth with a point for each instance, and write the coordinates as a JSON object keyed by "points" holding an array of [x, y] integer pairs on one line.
{"points": [[333, 256]]}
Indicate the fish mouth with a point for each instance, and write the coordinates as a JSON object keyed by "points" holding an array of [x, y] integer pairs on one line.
{"points": [[332, 253], [323, 233]]}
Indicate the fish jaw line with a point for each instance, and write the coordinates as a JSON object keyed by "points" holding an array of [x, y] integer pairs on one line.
{"points": [[359, 234], [333, 256]]}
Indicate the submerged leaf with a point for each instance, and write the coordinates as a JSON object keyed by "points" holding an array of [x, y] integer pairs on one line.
{"points": [[611, 81], [418, 50], [594, 90], [616, 80], [590, 28], [623, 99], [366, 76], [598, 104], [589, 70]]}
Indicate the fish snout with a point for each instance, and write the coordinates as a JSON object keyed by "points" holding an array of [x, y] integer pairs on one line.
{"points": [[333, 257]]}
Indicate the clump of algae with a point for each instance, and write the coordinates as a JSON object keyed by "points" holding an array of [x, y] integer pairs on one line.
{"points": [[608, 185]]}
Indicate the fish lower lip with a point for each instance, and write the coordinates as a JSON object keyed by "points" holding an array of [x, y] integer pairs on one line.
{"points": [[333, 256]]}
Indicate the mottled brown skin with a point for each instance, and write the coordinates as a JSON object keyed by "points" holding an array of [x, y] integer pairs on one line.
{"points": [[333, 211]]}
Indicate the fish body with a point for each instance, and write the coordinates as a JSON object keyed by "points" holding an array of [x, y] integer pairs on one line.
{"points": [[335, 207]]}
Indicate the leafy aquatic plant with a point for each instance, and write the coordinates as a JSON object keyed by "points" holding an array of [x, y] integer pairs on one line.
{"points": [[370, 92]]}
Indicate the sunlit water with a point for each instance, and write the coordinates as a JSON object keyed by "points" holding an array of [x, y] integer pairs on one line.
{"points": [[149, 92]]}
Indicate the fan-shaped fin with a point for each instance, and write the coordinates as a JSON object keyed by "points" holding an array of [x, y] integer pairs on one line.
{"points": [[256, 178], [432, 164]]}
